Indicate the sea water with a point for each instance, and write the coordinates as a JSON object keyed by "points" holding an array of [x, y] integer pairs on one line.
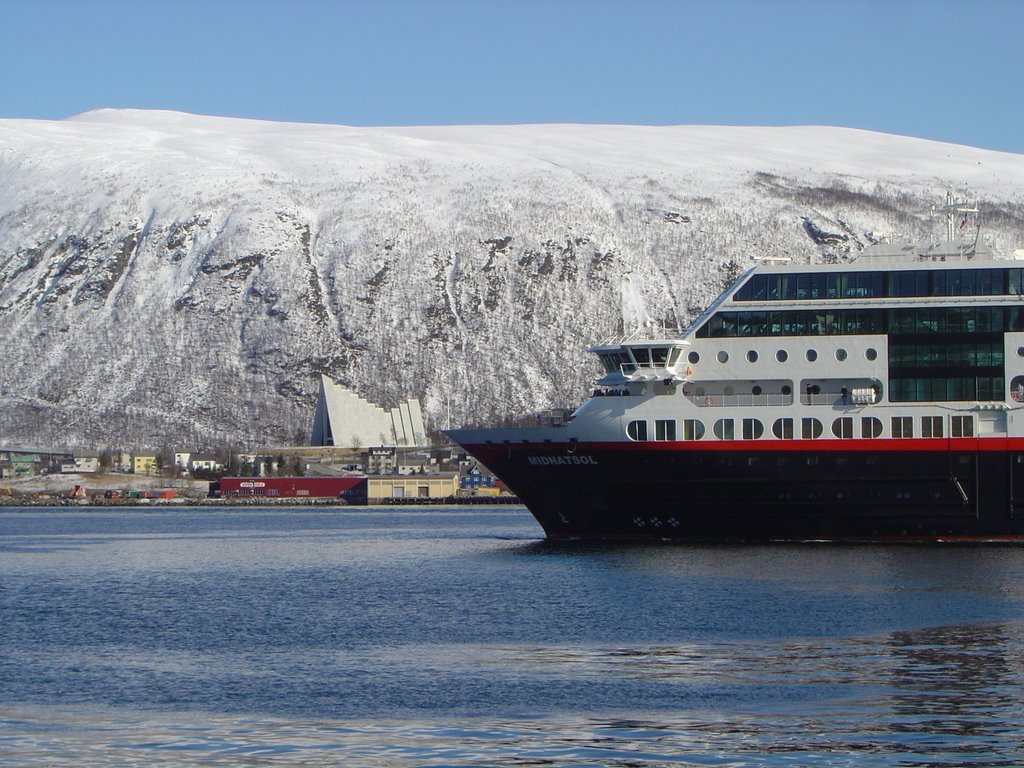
{"points": [[459, 637]]}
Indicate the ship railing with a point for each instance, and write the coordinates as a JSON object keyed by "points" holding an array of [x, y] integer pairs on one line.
{"points": [[710, 401], [857, 397]]}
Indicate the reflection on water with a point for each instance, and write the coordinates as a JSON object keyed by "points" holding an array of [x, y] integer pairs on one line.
{"points": [[456, 639], [941, 696]]}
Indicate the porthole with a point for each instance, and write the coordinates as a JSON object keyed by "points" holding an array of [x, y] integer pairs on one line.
{"points": [[782, 355], [723, 356], [811, 355], [729, 391], [751, 356], [871, 353], [1017, 389], [1020, 351], [787, 390], [693, 357], [756, 390], [840, 355]]}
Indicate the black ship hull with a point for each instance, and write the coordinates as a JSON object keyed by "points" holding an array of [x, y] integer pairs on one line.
{"points": [[934, 490]]}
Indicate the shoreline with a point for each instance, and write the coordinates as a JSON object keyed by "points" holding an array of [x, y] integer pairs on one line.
{"points": [[15, 503]]}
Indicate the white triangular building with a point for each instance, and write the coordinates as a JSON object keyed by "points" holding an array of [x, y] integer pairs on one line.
{"points": [[346, 420]]}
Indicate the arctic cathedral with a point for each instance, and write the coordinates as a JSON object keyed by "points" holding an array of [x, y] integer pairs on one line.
{"points": [[346, 420]]}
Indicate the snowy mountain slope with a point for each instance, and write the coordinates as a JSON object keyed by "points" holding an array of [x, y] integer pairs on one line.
{"points": [[169, 278]]}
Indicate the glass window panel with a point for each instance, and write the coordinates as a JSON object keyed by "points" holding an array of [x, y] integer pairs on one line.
{"points": [[810, 428], [783, 429], [665, 429], [818, 285], [637, 430], [693, 429], [1015, 284], [803, 286], [788, 287], [724, 429], [832, 285]]}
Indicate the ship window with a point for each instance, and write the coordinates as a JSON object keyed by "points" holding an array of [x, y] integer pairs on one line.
{"points": [[787, 390], [871, 354], [693, 429], [752, 429], [673, 356], [693, 357], [783, 429], [756, 390], [782, 356], [931, 426], [751, 356], [659, 356], [724, 429], [961, 426], [902, 426], [810, 428], [637, 430], [811, 355], [723, 356], [870, 427], [1017, 389], [840, 355], [665, 429], [843, 427], [642, 355]]}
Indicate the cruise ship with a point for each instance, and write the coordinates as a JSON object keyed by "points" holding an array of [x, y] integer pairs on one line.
{"points": [[877, 399]]}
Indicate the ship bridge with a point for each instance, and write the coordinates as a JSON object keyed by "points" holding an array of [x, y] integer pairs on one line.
{"points": [[633, 360]]}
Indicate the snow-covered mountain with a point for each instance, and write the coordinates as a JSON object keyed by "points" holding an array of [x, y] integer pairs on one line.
{"points": [[175, 279]]}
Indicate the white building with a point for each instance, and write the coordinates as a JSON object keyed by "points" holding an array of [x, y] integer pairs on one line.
{"points": [[346, 420], [87, 461]]}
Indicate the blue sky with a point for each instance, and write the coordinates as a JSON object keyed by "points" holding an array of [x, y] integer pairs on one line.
{"points": [[934, 69]]}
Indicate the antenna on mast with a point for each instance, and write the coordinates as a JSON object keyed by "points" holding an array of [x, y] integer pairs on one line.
{"points": [[958, 213]]}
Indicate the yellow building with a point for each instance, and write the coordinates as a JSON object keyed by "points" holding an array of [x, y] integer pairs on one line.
{"points": [[395, 487], [144, 464]]}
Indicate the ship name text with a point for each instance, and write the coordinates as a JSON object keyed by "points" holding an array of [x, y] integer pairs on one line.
{"points": [[560, 460]]}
